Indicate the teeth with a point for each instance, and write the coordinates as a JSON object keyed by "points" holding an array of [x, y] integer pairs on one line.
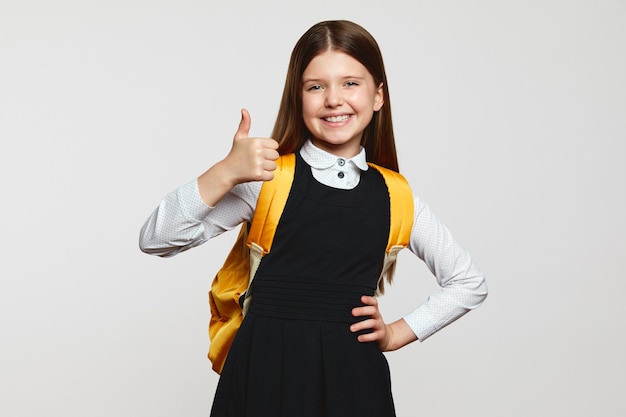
{"points": [[336, 119]]}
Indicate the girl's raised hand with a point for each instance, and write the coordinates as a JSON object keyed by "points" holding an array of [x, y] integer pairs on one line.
{"points": [[251, 159]]}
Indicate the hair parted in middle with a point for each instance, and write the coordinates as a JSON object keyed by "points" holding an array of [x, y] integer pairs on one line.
{"points": [[351, 39]]}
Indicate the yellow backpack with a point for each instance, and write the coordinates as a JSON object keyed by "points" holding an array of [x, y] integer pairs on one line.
{"points": [[255, 241]]}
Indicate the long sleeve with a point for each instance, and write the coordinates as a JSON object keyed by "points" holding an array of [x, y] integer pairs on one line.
{"points": [[463, 286], [182, 220]]}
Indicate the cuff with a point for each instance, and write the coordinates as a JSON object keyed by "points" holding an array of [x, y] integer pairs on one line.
{"points": [[190, 201], [420, 322]]}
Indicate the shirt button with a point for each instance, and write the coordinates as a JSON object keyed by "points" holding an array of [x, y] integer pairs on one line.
{"points": [[341, 174], [341, 162]]}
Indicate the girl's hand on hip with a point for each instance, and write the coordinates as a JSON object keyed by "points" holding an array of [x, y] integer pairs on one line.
{"points": [[380, 332], [388, 336]]}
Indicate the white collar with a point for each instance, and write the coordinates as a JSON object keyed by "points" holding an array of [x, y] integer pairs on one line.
{"points": [[320, 159]]}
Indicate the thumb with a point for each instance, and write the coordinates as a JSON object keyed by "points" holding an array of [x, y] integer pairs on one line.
{"points": [[244, 125]]}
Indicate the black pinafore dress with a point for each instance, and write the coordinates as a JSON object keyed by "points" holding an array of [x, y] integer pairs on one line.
{"points": [[294, 355]]}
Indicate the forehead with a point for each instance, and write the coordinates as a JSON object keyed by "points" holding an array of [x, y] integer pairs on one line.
{"points": [[334, 63]]}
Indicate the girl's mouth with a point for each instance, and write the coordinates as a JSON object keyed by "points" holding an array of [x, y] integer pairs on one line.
{"points": [[336, 119]]}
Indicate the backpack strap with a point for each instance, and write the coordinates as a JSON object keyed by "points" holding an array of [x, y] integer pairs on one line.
{"points": [[267, 214], [271, 203], [401, 221]]}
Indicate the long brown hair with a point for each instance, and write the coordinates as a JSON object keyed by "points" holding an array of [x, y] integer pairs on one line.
{"points": [[352, 39]]}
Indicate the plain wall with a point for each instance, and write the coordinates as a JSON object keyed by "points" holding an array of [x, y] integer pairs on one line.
{"points": [[510, 121]]}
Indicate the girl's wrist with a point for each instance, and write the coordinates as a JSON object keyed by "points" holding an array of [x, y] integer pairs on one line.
{"points": [[389, 342], [400, 335], [215, 183]]}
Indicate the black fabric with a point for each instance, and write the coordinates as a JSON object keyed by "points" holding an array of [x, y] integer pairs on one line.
{"points": [[294, 355]]}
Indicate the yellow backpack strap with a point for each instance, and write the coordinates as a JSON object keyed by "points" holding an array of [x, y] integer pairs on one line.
{"points": [[401, 221], [401, 202], [230, 285], [269, 208], [271, 202]]}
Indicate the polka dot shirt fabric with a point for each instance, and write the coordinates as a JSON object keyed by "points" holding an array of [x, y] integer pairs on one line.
{"points": [[183, 221]]}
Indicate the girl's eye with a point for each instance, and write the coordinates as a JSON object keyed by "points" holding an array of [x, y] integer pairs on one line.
{"points": [[351, 83], [314, 87]]}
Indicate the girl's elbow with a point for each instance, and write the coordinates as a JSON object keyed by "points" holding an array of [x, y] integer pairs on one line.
{"points": [[482, 291], [146, 247], [150, 245]]}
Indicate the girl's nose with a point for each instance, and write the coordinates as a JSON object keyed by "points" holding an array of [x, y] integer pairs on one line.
{"points": [[333, 97]]}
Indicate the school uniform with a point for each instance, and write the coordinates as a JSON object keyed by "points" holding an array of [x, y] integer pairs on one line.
{"points": [[294, 354]]}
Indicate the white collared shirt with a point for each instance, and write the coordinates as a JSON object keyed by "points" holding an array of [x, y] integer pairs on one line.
{"points": [[334, 171], [183, 221]]}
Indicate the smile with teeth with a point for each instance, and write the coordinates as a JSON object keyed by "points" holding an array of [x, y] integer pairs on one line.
{"points": [[335, 119]]}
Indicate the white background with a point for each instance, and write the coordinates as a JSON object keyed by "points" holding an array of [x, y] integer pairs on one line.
{"points": [[510, 121]]}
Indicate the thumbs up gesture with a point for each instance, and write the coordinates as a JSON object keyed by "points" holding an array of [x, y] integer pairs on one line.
{"points": [[251, 159]]}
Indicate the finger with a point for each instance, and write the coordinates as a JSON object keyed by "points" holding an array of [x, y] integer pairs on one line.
{"points": [[274, 145], [243, 130], [269, 166], [267, 176], [271, 149], [370, 337], [369, 324], [365, 311], [369, 300], [269, 152]]}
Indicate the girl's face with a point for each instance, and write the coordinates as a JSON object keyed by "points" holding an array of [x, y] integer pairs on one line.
{"points": [[339, 98]]}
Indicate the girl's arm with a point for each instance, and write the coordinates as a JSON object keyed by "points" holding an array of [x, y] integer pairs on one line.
{"points": [[183, 220], [220, 199], [463, 286]]}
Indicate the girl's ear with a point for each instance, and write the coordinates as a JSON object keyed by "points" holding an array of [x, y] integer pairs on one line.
{"points": [[378, 98]]}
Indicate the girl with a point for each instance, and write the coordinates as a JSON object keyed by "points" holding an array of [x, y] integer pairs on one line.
{"points": [[302, 349]]}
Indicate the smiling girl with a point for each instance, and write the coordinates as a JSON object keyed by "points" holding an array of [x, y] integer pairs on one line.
{"points": [[311, 343]]}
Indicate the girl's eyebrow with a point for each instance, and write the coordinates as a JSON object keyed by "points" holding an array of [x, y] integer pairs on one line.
{"points": [[346, 77]]}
